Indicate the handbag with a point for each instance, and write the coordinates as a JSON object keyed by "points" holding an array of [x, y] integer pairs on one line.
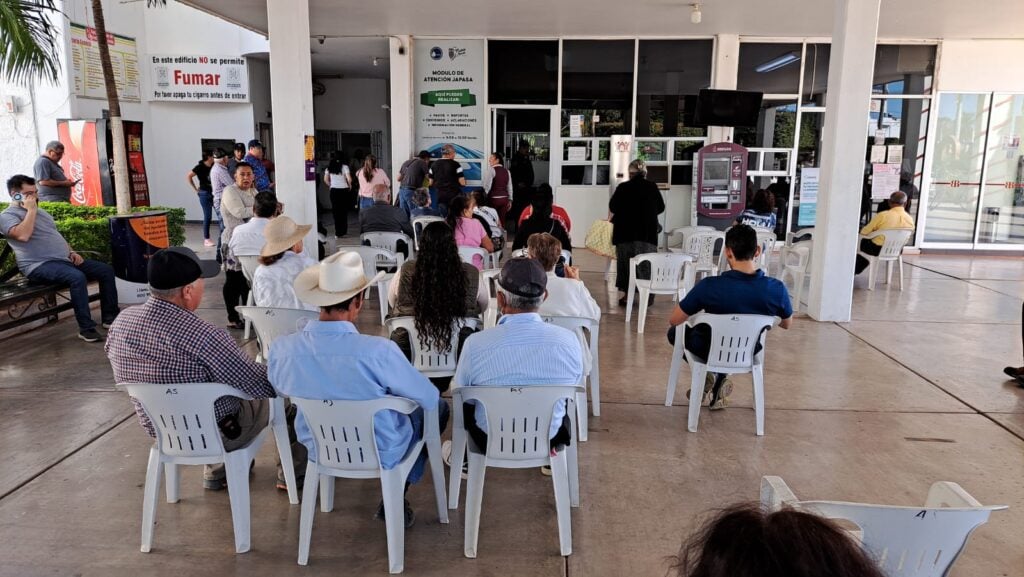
{"points": [[599, 239]]}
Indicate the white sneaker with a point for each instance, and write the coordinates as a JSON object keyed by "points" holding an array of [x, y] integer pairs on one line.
{"points": [[446, 456]]}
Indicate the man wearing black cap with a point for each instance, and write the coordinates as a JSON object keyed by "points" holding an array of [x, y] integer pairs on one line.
{"points": [[521, 350], [411, 176], [163, 341], [255, 159], [238, 155]]}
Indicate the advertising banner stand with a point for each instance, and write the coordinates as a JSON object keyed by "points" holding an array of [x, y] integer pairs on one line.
{"points": [[134, 238]]}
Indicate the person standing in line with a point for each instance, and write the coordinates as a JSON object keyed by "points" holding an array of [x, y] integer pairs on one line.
{"points": [[369, 177], [238, 155], [446, 176], [411, 176], [339, 179], [53, 185], [499, 186], [634, 207], [205, 192], [237, 207], [220, 178], [261, 179], [522, 167]]}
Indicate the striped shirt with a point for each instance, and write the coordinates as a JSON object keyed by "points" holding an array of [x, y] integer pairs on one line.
{"points": [[521, 350], [160, 342]]}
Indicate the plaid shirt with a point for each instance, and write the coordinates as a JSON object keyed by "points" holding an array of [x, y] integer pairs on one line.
{"points": [[160, 342]]}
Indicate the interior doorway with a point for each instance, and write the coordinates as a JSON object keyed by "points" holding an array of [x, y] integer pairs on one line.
{"points": [[524, 135]]}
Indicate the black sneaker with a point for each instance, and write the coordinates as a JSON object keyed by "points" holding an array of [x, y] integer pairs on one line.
{"points": [[90, 336], [410, 516]]}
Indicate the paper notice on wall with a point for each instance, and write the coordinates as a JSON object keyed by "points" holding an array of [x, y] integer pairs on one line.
{"points": [[575, 125], [894, 154], [577, 154], [809, 179], [87, 71], [877, 154], [879, 137], [885, 180]]}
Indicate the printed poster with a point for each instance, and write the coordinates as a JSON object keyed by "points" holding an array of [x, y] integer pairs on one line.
{"points": [[87, 72], [809, 180], [180, 78], [449, 100], [885, 180]]}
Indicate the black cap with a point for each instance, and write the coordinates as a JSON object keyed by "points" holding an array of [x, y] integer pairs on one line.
{"points": [[255, 143], [424, 154], [178, 266], [524, 277], [218, 153]]}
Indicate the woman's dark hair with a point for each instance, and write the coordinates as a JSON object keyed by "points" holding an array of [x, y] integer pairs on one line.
{"points": [[206, 155], [746, 541], [542, 203], [480, 198], [369, 165], [269, 260], [336, 164], [456, 207], [438, 288], [763, 202], [499, 157]]}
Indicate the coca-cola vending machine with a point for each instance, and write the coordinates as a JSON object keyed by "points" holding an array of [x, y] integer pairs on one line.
{"points": [[88, 158]]}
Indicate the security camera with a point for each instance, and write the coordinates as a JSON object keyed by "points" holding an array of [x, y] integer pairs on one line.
{"points": [[321, 39]]}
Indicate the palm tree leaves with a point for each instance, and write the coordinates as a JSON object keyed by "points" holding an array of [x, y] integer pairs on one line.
{"points": [[28, 41]]}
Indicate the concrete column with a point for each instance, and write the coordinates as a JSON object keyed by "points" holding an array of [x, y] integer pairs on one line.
{"points": [[403, 137], [723, 77], [847, 105], [291, 96]]}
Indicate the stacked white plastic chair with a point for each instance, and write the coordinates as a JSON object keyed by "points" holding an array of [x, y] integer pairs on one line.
{"points": [[187, 434], [702, 246], [794, 260], [891, 254], [670, 274], [733, 341], [271, 323], [519, 419], [375, 259], [418, 224], [429, 362], [904, 541], [584, 328], [346, 447], [249, 264]]}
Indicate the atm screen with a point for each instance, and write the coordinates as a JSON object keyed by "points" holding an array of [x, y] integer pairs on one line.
{"points": [[716, 169]]}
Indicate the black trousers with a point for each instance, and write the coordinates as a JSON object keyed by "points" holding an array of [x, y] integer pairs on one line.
{"points": [[870, 248], [342, 200], [562, 438], [236, 292]]}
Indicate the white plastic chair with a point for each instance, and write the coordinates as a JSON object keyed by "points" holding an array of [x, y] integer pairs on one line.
{"points": [[904, 541], [466, 253], [701, 245], [733, 340], [388, 241], [671, 274], [427, 361], [891, 253], [346, 446], [524, 253], [418, 224], [271, 323], [249, 264], [685, 232], [583, 327], [766, 240], [375, 259], [183, 416], [519, 420], [799, 238], [491, 314], [793, 264]]}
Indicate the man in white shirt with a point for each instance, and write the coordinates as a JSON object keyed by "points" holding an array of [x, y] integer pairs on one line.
{"points": [[567, 297], [248, 239]]}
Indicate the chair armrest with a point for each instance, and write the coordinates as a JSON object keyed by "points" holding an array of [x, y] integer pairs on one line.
{"points": [[947, 494], [775, 493]]}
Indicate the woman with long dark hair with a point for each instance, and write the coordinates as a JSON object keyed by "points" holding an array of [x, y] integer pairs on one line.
{"points": [[436, 289], [467, 230], [369, 176], [338, 177], [761, 213], [541, 220]]}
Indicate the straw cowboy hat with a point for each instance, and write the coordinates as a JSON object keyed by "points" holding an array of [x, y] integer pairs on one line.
{"points": [[282, 233], [334, 280]]}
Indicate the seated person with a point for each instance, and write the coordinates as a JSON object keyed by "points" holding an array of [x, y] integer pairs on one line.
{"points": [[558, 213], [761, 213], [421, 204], [248, 239], [566, 296], [163, 341], [330, 360], [521, 350], [281, 261], [436, 288], [747, 540], [382, 216], [895, 217], [468, 231], [488, 216], [43, 256], [541, 220], [742, 290]]}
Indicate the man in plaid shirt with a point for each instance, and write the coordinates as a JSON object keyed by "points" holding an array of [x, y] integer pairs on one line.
{"points": [[163, 341]]}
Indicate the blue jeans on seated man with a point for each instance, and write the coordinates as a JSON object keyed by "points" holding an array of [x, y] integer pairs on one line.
{"points": [[78, 277]]}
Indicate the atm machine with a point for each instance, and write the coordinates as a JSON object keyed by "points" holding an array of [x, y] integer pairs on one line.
{"points": [[719, 184]]}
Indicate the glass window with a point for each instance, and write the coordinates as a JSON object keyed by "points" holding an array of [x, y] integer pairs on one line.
{"points": [[904, 69], [669, 76], [902, 123], [816, 57], [769, 68], [597, 82], [522, 71], [1002, 208], [775, 126], [956, 168]]}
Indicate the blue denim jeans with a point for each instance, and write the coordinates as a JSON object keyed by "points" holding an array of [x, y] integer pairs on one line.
{"points": [[405, 198], [78, 277], [365, 202], [206, 202]]}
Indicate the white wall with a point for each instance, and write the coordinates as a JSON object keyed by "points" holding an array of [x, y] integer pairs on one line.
{"points": [[259, 92], [355, 104], [981, 66]]}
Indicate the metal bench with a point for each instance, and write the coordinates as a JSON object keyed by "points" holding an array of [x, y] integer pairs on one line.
{"points": [[23, 301]]}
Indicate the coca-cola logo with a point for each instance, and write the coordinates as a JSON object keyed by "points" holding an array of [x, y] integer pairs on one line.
{"points": [[77, 171]]}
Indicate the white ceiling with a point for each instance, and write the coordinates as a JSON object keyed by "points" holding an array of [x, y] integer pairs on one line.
{"points": [[547, 18], [350, 57]]}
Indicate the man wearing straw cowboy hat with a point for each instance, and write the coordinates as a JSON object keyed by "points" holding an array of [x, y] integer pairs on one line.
{"points": [[330, 360]]}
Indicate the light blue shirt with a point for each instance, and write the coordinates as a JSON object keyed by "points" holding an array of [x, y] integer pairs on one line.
{"points": [[521, 350], [331, 360]]}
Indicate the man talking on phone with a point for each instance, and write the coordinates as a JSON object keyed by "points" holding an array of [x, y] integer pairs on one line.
{"points": [[44, 256], [54, 186]]}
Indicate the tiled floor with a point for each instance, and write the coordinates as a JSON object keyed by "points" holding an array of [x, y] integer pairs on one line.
{"points": [[908, 393]]}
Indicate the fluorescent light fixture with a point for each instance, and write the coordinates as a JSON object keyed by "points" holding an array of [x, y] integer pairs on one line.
{"points": [[779, 62]]}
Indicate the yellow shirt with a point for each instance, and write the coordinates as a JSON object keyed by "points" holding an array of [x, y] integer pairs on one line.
{"points": [[892, 218]]}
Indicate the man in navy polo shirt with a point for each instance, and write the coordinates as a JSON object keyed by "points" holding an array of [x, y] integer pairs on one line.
{"points": [[744, 290]]}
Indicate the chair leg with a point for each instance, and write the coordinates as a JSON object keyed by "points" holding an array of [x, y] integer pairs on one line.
{"points": [[698, 373], [392, 486], [382, 294], [758, 378], [642, 318], [630, 291], [673, 371], [149, 498], [459, 442], [308, 512], [474, 501], [888, 272], [560, 480], [236, 465], [249, 302], [432, 442], [872, 273], [173, 475], [279, 425], [572, 461], [581, 412], [326, 493], [899, 261], [595, 373]]}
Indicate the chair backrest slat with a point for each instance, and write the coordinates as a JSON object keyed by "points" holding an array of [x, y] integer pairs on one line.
{"points": [[385, 240], [702, 245], [733, 338], [667, 270], [427, 360], [895, 240]]}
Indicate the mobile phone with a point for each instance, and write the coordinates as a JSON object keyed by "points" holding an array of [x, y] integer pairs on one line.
{"points": [[18, 199]]}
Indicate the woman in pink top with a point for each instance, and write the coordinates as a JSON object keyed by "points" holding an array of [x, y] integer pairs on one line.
{"points": [[468, 230], [369, 177]]}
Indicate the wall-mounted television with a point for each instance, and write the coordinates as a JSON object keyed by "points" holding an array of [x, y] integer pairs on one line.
{"points": [[727, 108]]}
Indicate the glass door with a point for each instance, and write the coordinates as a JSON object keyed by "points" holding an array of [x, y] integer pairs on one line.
{"points": [[1001, 220], [811, 127]]}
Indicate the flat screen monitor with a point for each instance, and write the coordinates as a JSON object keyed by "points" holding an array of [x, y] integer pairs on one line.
{"points": [[727, 108], [716, 170]]}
